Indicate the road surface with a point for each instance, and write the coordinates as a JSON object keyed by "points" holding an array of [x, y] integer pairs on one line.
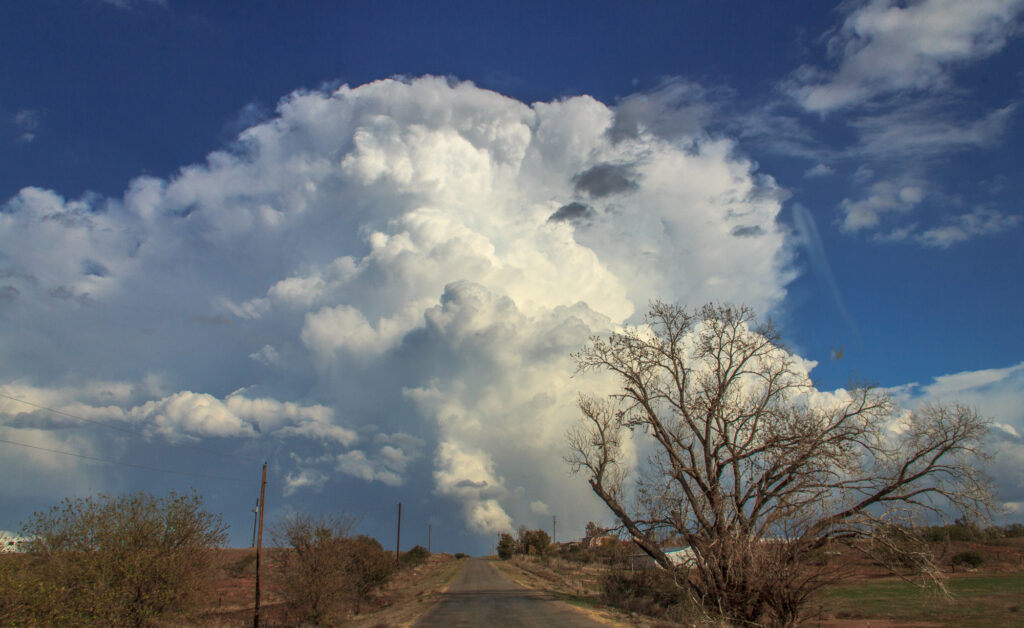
{"points": [[481, 596]]}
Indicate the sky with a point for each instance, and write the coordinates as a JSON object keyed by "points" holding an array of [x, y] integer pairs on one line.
{"points": [[361, 240]]}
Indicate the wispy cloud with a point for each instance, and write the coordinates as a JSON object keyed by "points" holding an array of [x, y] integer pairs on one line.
{"points": [[27, 123], [924, 132], [128, 4], [980, 222], [885, 46]]}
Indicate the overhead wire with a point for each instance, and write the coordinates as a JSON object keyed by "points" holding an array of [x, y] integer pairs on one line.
{"points": [[125, 464], [130, 432]]}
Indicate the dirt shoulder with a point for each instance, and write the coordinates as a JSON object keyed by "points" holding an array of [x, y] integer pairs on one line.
{"points": [[411, 593], [574, 585]]}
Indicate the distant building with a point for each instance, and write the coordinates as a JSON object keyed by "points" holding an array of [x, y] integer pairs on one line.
{"points": [[599, 541], [11, 543]]}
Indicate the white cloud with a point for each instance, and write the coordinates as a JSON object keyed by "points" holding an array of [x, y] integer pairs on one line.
{"points": [[965, 227], [923, 132], [27, 122], [356, 464], [885, 197], [886, 46], [267, 355], [303, 479], [427, 277], [819, 170], [998, 394], [539, 508]]}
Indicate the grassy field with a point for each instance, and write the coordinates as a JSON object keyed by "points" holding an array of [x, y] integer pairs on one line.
{"points": [[983, 600]]}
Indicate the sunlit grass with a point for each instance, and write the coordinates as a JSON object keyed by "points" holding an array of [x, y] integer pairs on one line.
{"points": [[991, 600]]}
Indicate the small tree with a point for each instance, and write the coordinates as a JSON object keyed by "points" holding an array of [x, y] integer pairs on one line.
{"points": [[594, 531], [751, 468], [368, 567], [506, 546], [133, 560], [312, 561], [532, 542]]}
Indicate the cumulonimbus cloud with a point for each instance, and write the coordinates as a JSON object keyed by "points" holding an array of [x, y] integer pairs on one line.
{"points": [[424, 251]]}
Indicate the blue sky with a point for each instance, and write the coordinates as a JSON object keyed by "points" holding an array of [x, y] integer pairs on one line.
{"points": [[222, 226]]}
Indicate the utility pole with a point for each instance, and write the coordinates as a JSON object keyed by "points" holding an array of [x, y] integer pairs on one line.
{"points": [[554, 529], [259, 545], [428, 538], [255, 515], [398, 543]]}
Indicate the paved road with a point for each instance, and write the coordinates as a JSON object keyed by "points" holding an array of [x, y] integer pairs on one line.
{"points": [[481, 596]]}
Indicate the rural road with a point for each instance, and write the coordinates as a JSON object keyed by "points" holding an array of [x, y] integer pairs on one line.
{"points": [[481, 596]]}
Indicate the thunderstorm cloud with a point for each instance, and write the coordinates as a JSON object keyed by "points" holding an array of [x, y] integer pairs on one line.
{"points": [[398, 273]]}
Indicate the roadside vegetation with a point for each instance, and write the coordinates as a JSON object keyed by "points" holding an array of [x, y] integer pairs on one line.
{"points": [[139, 560], [134, 560], [604, 572]]}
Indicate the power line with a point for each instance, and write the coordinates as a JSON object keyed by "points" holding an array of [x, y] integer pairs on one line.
{"points": [[127, 431], [124, 464]]}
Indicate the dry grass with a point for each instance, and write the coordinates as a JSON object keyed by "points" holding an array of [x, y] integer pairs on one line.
{"points": [[409, 594], [573, 583], [988, 596]]}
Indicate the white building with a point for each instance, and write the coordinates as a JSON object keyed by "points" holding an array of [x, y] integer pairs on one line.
{"points": [[11, 542]]}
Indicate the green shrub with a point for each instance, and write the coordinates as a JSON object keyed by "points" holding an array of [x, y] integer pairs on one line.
{"points": [[460, 555], [970, 558], [506, 546]]}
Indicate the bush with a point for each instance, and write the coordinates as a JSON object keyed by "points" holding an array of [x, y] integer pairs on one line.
{"points": [[460, 555], [970, 558], [324, 571], [311, 560], [652, 592], [367, 565], [134, 560], [1014, 530], [414, 557]]}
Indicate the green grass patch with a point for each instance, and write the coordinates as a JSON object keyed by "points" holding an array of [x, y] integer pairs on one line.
{"points": [[577, 600], [993, 600]]}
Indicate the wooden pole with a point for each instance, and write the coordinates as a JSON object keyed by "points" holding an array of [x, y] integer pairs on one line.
{"points": [[259, 545], [255, 516], [554, 529], [428, 537], [398, 543]]}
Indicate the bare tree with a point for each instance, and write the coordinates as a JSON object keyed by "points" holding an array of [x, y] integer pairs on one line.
{"points": [[752, 467]]}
